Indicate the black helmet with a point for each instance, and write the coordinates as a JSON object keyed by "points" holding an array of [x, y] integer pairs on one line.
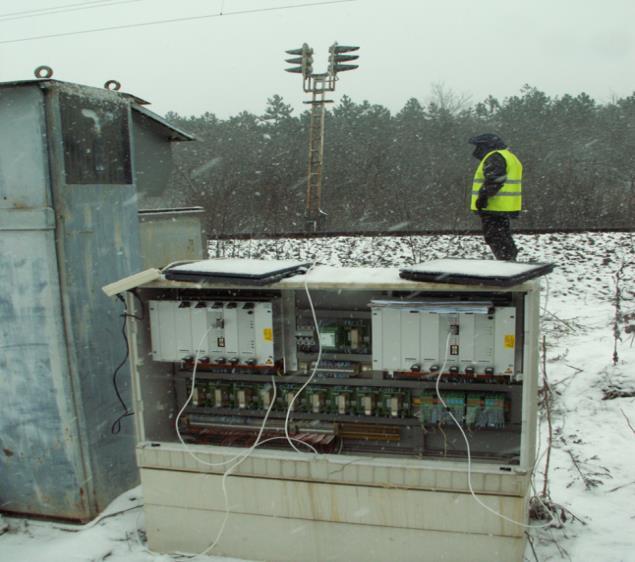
{"points": [[488, 140]]}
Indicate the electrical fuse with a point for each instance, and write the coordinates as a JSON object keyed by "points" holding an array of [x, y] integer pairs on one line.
{"points": [[265, 395], [394, 406], [367, 405], [342, 403], [289, 398], [316, 402]]}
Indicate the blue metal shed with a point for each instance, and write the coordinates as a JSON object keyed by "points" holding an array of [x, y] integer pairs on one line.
{"points": [[68, 226]]}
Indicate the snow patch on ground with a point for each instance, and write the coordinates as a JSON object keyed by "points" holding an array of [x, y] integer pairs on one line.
{"points": [[117, 535]]}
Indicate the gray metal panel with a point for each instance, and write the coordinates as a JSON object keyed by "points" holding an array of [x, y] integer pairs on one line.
{"points": [[153, 161], [97, 242], [41, 466], [167, 129], [99, 234], [41, 469], [27, 219], [23, 158], [166, 239], [162, 320]]}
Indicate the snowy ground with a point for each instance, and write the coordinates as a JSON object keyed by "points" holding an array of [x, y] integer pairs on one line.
{"points": [[593, 440]]}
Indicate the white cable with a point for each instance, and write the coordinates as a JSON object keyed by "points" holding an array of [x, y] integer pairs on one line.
{"points": [[469, 455], [317, 362], [242, 455], [241, 458], [227, 473], [188, 450], [177, 262]]}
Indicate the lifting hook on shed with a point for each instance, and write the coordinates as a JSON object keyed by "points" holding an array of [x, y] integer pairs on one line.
{"points": [[113, 85], [43, 71]]}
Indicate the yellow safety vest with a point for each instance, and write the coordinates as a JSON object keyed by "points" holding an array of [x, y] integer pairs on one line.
{"points": [[509, 197]]}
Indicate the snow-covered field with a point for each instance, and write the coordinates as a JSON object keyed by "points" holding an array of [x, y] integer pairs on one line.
{"points": [[588, 306]]}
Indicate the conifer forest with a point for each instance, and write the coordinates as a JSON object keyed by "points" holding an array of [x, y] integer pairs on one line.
{"points": [[410, 171]]}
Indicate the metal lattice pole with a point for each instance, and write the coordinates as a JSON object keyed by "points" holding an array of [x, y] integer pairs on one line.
{"points": [[318, 85], [316, 156]]}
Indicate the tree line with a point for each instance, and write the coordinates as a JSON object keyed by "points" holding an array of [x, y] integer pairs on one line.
{"points": [[409, 171]]}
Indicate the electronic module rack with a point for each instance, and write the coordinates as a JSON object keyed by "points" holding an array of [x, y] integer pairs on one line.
{"points": [[398, 383]]}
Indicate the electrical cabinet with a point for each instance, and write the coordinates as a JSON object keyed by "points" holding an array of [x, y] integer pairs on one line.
{"points": [[388, 361]]}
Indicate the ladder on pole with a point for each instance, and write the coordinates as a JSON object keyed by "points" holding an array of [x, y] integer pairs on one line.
{"points": [[313, 213]]}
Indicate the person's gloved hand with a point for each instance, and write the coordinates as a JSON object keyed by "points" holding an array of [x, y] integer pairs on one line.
{"points": [[481, 201]]}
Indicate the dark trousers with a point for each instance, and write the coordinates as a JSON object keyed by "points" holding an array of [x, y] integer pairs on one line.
{"points": [[498, 236]]}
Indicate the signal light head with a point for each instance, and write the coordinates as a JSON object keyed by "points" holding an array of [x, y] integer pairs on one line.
{"points": [[344, 58], [305, 60], [344, 67], [335, 48], [336, 58]]}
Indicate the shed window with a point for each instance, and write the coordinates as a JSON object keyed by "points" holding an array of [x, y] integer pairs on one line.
{"points": [[96, 140]]}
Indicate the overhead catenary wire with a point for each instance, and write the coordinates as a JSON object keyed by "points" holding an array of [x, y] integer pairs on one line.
{"points": [[38, 10], [175, 20], [53, 11]]}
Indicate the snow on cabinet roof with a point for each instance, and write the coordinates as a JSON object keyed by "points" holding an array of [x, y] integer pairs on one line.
{"points": [[289, 274], [237, 267], [237, 270], [332, 275], [385, 278], [481, 268], [471, 271]]}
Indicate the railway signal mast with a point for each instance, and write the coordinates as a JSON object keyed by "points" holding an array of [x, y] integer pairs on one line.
{"points": [[318, 84]]}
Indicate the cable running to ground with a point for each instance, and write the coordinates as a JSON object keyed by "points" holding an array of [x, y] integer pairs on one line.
{"points": [[469, 453], [116, 425], [317, 361]]}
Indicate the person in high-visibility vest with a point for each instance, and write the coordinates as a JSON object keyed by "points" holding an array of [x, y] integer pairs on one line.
{"points": [[496, 193]]}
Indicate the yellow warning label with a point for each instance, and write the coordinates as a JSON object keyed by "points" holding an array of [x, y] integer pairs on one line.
{"points": [[267, 333], [510, 340]]}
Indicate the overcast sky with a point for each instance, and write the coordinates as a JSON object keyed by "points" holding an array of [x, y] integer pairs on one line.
{"points": [[230, 63]]}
